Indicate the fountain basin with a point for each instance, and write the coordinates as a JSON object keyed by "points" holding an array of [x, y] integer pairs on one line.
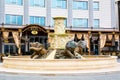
{"points": [[90, 62]]}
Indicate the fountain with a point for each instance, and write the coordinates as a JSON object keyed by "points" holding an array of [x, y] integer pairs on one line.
{"points": [[52, 60]]}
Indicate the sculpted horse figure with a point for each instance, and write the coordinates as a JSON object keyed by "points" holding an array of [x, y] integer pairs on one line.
{"points": [[38, 49]]}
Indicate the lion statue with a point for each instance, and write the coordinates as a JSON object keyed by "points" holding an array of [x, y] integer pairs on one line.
{"points": [[38, 49], [73, 49]]}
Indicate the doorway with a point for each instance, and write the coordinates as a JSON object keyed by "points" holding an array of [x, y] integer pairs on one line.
{"points": [[94, 44], [34, 33]]}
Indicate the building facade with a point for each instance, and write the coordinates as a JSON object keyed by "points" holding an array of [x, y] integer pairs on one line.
{"points": [[82, 16], [78, 13]]}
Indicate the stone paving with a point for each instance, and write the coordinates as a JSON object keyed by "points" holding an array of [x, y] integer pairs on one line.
{"points": [[98, 76], [115, 75]]}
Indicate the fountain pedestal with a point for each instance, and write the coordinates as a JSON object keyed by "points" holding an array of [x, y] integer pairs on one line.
{"points": [[58, 41], [59, 38]]}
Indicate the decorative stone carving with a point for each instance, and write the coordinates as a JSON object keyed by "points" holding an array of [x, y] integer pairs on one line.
{"points": [[73, 50], [58, 41], [59, 26], [58, 38], [38, 49]]}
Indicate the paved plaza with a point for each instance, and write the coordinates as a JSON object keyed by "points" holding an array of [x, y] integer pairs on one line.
{"points": [[113, 75], [89, 76]]}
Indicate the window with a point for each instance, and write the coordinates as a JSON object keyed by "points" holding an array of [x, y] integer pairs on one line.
{"points": [[96, 6], [14, 19], [37, 20], [80, 22], [14, 2], [37, 3], [6, 49], [65, 22], [80, 5], [96, 23], [59, 4], [10, 48]]}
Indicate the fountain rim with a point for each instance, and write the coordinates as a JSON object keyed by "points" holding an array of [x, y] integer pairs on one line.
{"points": [[90, 57]]}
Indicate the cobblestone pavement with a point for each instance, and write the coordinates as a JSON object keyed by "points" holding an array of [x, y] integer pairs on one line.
{"points": [[88, 76]]}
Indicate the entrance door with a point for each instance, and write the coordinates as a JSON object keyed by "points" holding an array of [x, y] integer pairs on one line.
{"points": [[34, 33], [94, 45]]}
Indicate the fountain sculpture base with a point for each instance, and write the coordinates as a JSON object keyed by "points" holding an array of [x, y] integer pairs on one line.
{"points": [[90, 62]]}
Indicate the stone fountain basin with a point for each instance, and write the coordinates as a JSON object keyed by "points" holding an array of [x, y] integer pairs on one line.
{"points": [[90, 62]]}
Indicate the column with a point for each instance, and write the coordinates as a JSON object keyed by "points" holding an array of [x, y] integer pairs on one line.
{"points": [[26, 12], [43, 40], [99, 45], [2, 11], [113, 17], [0, 42], [118, 9], [20, 43], [2, 29], [90, 13], [59, 27], [48, 13], [89, 33], [70, 13], [26, 43], [117, 15], [90, 19], [119, 44], [2, 47]]}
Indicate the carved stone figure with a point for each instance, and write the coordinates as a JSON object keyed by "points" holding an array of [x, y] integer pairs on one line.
{"points": [[73, 50], [38, 49], [59, 26]]}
